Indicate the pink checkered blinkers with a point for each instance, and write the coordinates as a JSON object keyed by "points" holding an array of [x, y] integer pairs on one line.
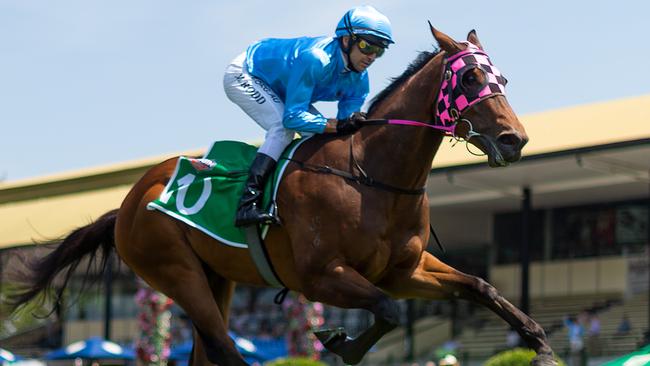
{"points": [[468, 78]]}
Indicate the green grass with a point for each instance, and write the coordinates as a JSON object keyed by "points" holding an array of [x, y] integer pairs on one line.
{"points": [[515, 357], [295, 361]]}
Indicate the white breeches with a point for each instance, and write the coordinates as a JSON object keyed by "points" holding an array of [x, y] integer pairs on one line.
{"points": [[261, 103]]}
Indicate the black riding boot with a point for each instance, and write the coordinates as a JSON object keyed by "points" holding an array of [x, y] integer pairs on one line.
{"points": [[250, 211]]}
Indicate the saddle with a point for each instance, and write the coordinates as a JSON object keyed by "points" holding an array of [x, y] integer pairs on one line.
{"points": [[204, 192]]}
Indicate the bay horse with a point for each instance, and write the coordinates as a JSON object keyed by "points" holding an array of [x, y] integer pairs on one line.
{"points": [[341, 243]]}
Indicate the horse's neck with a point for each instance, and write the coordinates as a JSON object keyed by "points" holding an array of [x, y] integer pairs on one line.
{"points": [[403, 155]]}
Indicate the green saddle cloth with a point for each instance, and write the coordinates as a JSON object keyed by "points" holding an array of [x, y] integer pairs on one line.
{"points": [[204, 193]]}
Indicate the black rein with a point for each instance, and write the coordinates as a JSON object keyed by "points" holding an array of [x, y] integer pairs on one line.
{"points": [[362, 178]]}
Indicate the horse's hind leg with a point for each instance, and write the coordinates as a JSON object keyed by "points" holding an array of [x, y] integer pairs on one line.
{"points": [[435, 280], [222, 291], [158, 252]]}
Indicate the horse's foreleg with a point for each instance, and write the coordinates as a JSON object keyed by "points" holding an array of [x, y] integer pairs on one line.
{"points": [[342, 286], [435, 280]]}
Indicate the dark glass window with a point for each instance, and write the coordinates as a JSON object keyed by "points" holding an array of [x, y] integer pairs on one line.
{"points": [[508, 236], [576, 232], [632, 226], [584, 232], [472, 260], [599, 230]]}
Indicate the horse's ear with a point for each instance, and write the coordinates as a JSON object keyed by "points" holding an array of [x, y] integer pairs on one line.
{"points": [[445, 42], [473, 38]]}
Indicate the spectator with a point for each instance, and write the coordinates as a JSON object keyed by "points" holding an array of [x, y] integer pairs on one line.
{"points": [[594, 325], [512, 339], [576, 343], [575, 333], [451, 346], [583, 319], [593, 340], [624, 326]]}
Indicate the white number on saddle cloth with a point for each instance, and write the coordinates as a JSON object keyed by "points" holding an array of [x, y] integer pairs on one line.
{"points": [[184, 184]]}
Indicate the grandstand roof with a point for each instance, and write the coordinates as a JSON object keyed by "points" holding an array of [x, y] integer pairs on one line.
{"points": [[572, 128], [589, 153], [564, 162]]}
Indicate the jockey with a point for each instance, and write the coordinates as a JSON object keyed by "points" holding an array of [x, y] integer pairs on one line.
{"points": [[276, 81]]}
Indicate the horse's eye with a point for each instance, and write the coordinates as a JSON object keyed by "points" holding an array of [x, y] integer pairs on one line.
{"points": [[471, 79]]}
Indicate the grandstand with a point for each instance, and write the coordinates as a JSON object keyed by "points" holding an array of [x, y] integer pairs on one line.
{"points": [[589, 190]]}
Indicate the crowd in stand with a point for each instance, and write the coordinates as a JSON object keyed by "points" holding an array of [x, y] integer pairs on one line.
{"points": [[255, 316], [584, 335]]}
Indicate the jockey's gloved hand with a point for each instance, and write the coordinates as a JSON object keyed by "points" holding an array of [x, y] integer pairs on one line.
{"points": [[350, 124]]}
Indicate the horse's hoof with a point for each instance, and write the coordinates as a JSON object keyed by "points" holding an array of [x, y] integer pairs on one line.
{"points": [[338, 342], [330, 337], [544, 360]]}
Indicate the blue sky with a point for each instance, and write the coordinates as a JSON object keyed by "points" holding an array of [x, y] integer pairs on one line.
{"points": [[92, 82]]}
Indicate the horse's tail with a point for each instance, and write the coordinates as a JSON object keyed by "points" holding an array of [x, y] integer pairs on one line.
{"points": [[80, 243]]}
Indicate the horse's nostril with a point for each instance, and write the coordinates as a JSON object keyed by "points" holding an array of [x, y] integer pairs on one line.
{"points": [[510, 140]]}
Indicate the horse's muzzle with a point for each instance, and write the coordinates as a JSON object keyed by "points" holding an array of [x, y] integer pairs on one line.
{"points": [[504, 150], [510, 144]]}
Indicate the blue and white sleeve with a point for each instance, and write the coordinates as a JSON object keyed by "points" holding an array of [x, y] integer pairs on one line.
{"points": [[300, 87], [353, 101]]}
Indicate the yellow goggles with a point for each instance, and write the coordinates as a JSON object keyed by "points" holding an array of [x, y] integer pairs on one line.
{"points": [[368, 49]]}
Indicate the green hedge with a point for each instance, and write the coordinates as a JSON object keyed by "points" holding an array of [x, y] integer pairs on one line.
{"points": [[295, 361], [515, 357]]}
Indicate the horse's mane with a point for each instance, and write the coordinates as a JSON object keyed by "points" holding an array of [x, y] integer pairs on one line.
{"points": [[415, 66]]}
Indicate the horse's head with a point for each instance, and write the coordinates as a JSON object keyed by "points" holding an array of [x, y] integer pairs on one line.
{"points": [[472, 98]]}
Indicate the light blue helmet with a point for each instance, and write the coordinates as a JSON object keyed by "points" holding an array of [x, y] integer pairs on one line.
{"points": [[366, 22]]}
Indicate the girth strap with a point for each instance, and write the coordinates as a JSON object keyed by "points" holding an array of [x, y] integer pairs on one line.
{"points": [[258, 252]]}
